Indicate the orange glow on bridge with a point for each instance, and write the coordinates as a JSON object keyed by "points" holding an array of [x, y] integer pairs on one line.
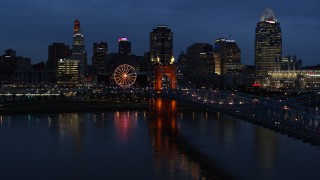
{"points": [[165, 70]]}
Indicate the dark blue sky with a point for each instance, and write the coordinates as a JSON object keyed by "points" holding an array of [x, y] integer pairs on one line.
{"points": [[29, 26]]}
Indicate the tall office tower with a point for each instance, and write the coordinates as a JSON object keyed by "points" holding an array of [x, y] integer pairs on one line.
{"points": [[78, 50], [100, 51], [124, 46], [161, 49], [200, 63], [57, 51], [227, 56], [268, 44]]}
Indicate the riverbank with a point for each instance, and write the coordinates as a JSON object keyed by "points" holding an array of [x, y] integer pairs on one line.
{"points": [[66, 106]]}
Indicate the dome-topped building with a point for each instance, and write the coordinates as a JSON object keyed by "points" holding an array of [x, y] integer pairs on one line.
{"points": [[268, 15], [268, 44]]}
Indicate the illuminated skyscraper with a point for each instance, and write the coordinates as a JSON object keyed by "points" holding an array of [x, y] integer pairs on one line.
{"points": [[124, 46], [268, 44], [227, 56], [78, 50], [161, 50], [100, 51]]}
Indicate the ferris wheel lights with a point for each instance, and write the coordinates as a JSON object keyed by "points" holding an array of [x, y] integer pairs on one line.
{"points": [[125, 75]]}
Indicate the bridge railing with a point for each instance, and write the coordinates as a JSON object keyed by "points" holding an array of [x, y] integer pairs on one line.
{"points": [[286, 116]]}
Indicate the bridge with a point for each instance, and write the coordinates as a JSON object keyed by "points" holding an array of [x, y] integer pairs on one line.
{"points": [[298, 116]]}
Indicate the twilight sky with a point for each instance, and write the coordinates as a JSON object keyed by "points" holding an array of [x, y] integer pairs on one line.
{"points": [[29, 26]]}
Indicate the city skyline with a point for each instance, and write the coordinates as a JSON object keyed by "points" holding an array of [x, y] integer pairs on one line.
{"points": [[36, 24]]}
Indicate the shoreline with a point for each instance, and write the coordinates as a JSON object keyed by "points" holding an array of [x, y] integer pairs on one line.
{"points": [[70, 107]]}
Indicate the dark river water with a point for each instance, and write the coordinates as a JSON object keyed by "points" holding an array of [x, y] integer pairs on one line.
{"points": [[140, 145]]}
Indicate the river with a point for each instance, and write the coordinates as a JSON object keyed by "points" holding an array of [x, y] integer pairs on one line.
{"points": [[140, 145]]}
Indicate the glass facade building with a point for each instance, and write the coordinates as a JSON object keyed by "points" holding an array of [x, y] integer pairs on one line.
{"points": [[161, 49], [268, 44], [100, 51]]}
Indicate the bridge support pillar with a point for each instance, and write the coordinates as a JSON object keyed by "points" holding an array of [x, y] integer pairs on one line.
{"points": [[165, 70], [161, 105]]}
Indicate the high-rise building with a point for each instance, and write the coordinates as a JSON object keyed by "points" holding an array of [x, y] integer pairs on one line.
{"points": [[161, 49], [200, 63], [57, 51], [78, 50], [268, 44], [67, 71], [227, 56], [100, 51], [124, 46]]}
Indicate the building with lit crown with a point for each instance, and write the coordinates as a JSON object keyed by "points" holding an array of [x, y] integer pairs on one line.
{"points": [[268, 44], [124, 46], [78, 50]]}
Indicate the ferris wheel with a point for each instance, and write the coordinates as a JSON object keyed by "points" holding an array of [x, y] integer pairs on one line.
{"points": [[125, 75]]}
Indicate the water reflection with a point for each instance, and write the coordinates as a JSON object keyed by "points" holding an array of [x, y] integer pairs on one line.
{"points": [[70, 129], [177, 145], [171, 148], [266, 147], [164, 131], [68, 125], [125, 123], [225, 130]]}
